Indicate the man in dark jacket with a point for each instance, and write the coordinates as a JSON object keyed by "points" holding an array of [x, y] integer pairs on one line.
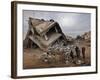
{"points": [[77, 52], [83, 52]]}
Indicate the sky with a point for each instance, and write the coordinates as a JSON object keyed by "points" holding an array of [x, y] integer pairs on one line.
{"points": [[72, 24]]}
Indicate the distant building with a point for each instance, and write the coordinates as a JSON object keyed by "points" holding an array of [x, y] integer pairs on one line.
{"points": [[87, 36]]}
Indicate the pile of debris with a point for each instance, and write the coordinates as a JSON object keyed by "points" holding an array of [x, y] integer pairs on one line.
{"points": [[64, 50], [67, 53]]}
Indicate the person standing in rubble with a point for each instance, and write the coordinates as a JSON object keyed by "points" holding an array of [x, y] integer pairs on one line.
{"points": [[72, 54], [83, 52], [77, 52]]}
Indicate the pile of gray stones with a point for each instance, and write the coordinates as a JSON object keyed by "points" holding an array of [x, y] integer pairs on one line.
{"points": [[60, 49]]}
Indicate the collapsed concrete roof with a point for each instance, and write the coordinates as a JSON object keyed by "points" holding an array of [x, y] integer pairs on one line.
{"points": [[42, 26], [43, 32]]}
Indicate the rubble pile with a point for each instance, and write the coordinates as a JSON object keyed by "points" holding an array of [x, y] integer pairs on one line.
{"points": [[59, 48]]}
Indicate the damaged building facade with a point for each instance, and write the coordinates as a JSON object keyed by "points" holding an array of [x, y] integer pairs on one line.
{"points": [[43, 34]]}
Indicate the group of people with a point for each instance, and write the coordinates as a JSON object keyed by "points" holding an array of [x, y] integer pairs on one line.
{"points": [[78, 52]]}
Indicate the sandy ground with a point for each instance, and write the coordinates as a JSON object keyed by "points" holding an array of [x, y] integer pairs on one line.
{"points": [[32, 58]]}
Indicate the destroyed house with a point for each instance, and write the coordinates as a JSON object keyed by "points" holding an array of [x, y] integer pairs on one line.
{"points": [[43, 33]]}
